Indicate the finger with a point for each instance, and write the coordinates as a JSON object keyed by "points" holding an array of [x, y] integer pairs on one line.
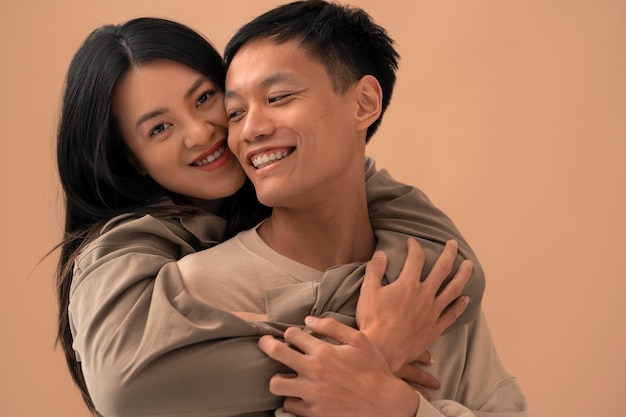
{"points": [[287, 376], [424, 393], [304, 342], [414, 263], [443, 266], [333, 329], [279, 351], [454, 288], [295, 406], [453, 312], [374, 271], [282, 412], [426, 358], [418, 376], [284, 385]]}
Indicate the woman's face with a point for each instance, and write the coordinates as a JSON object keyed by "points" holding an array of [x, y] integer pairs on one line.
{"points": [[173, 121]]}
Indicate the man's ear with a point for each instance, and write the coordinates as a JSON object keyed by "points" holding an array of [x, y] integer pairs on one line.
{"points": [[369, 101]]}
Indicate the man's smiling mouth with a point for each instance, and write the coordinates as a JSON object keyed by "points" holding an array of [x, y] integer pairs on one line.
{"points": [[263, 159]]}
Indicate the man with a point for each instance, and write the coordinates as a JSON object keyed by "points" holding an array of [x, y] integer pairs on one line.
{"points": [[306, 88]]}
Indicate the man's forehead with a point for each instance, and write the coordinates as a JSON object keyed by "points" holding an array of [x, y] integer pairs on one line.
{"points": [[262, 83], [267, 50], [262, 64]]}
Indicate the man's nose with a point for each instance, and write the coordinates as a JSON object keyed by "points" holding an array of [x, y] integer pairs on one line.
{"points": [[257, 124]]}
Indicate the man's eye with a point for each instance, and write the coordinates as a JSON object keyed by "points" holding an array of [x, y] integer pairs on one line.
{"points": [[160, 128], [233, 114], [278, 98]]}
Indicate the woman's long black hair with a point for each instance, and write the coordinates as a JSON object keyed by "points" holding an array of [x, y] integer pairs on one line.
{"points": [[97, 178]]}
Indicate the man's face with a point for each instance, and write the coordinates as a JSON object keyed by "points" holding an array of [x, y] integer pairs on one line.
{"points": [[296, 138]]}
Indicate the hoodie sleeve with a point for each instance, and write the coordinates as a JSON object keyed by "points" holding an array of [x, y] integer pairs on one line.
{"points": [[146, 347]]}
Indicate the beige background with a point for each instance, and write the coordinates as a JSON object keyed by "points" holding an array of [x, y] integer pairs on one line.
{"points": [[509, 114]]}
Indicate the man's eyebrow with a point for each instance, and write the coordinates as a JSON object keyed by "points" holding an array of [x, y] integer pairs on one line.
{"points": [[162, 110], [266, 83]]}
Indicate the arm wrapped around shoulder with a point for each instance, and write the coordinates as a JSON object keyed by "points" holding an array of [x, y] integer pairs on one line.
{"points": [[146, 347], [398, 211]]}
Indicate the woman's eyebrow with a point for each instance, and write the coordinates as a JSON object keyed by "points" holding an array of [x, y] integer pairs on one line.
{"points": [[150, 115], [196, 85], [163, 110]]}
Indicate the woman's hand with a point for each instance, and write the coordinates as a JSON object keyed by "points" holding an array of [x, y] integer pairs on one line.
{"points": [[347, 377], [419, 378], [403, 318]]}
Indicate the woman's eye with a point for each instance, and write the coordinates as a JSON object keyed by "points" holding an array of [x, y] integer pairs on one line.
{"points": [[160, 128], [204, 97]]}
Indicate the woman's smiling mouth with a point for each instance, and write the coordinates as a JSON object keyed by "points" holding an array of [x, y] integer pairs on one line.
{"points": [[211, 157]]}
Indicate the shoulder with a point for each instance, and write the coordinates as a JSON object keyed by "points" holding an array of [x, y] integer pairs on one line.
{"points": [[233, 248], [170, 237]]}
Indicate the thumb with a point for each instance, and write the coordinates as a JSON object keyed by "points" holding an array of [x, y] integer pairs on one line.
{"points": [[375, 270]]}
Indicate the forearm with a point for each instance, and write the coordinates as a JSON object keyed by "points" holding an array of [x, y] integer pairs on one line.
{"points": [[208, 379], [152, 349]]}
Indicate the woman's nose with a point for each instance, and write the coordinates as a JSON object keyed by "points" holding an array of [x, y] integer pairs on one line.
{"points": [[198, 132]]}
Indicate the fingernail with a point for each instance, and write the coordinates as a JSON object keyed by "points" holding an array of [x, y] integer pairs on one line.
{"points": [[435, 384], [454, 243], [465, 299], [469, 263], [432, 360], [310, 320], [378, 254]]}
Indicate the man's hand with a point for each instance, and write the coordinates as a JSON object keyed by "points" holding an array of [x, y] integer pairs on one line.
{"points": [[403, 318], [346, 378]]}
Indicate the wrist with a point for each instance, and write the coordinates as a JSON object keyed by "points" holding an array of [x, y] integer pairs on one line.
{"points": [[394, 360], [408, 401]]}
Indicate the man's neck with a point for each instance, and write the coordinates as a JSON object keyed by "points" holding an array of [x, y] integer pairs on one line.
{"points": [[325, 236]]}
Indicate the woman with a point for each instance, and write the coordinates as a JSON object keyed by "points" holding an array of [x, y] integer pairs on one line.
{"points": [[99, 173], [143, 189]]}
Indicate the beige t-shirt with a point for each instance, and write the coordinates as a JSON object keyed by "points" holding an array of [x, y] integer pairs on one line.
{"points": [[237, 273]]}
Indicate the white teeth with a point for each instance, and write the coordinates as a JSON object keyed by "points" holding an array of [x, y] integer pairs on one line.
{"points": [[212, 157], [266, 159]]}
